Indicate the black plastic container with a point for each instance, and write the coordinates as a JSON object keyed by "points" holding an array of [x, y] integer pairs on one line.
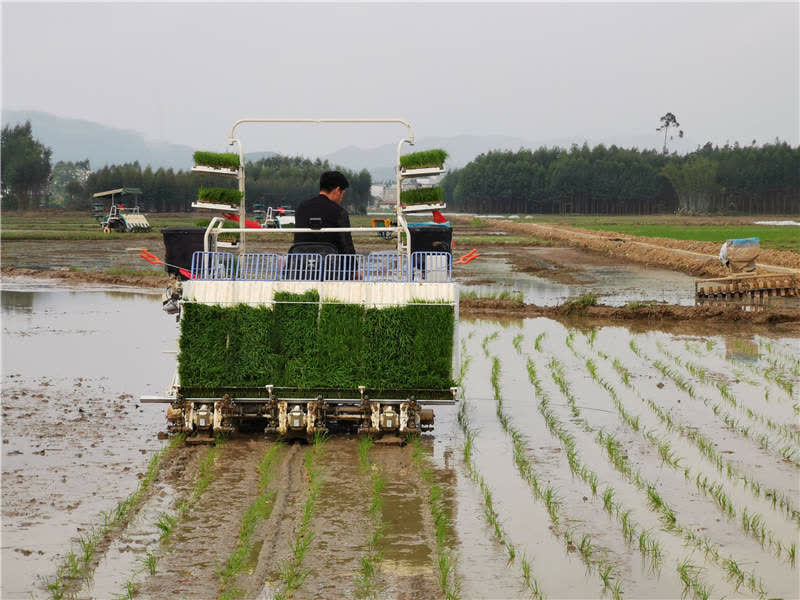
{"points": [[180, 243], [430, 238]]}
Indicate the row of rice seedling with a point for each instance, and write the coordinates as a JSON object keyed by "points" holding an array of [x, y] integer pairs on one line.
{"points": [[292, 572], [726, 394], [613, 450], [713, 490], [489, 512], [785, 359], [258, 511], [445, 556], [365, 586], [771, 373], [548, 494], [632, 532], [166, 522], [763, 440], [785, 364], [682, 383], [79, 565], [707, 448]]}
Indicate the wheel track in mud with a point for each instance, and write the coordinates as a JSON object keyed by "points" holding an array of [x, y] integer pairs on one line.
{"points": [[277, 529], [340, 526], [177, 473], [200, 543]]}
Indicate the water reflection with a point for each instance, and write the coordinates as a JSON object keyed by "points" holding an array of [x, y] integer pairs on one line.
{"points": [[57, 332], [741, 349], [16, 301], [615, 285]]}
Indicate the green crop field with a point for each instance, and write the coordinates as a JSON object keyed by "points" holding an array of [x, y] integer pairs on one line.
{"points": [[701, 228], [774, 238]]}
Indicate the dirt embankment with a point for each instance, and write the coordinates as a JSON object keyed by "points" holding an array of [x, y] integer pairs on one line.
{"points": [[695, 258], [88, 277], [661, 316]]}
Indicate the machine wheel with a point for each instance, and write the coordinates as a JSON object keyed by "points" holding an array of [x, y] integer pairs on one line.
{"points": [[106, 229]]}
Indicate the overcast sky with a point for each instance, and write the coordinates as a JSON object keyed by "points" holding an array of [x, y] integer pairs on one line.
{"points": [[185, 72]]}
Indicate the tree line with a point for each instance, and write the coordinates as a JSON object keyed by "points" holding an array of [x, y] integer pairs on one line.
{"points": [[611, 180], [582, 180], [29, 182]]}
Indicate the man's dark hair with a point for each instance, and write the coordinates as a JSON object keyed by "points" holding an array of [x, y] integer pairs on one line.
{"points": [[330, 180]]}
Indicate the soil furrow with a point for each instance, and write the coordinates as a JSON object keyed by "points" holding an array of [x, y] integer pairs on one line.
{"points": [[200, 543]]}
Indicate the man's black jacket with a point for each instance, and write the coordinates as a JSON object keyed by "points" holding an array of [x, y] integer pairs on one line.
{"points": [[332, 215]]}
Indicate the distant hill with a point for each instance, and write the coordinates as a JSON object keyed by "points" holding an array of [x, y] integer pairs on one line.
{"points": [[76, 139]]}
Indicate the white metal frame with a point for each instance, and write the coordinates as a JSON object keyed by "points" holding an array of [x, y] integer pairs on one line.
{"points": [[215, 226]]}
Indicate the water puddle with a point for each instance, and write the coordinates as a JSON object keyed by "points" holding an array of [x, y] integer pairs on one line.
{"points": [[615, 285]]}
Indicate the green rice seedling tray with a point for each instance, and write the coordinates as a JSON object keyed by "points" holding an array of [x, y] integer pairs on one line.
{"points": [[303, 344], [220, 160], [422, 196], [426, 158], [225, 196]]}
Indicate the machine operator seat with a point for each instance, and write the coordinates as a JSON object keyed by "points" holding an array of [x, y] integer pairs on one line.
{"points": [[305, 260]]}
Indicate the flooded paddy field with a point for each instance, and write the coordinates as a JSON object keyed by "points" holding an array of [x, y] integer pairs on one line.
{"points": [[580, 462]]}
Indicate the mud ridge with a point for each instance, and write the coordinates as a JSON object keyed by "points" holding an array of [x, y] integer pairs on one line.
{"points": [[649, 314], [692, 257], [88, 277], [202, 542], [277, 531]]}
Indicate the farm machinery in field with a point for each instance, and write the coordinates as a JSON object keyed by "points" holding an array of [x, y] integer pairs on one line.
{"points": [[120, 218], [312, 340], [745, 284]]}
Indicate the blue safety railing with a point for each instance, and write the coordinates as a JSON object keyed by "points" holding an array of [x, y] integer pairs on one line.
{"points": [[342, 267], [258, 267], [301, 267], [386, 266], [213, 266], [425, 267], [431, 267]]}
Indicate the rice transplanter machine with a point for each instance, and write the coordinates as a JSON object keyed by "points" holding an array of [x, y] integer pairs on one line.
{"points": [[258, 327]]}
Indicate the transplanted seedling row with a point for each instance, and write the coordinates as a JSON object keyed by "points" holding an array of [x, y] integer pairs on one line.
{"points": [[708, 449], [705, 377], [166, 522], [752, 525], [618, 459], [258, 511], [763, 440], [632, 532], [490, 513], [365, 584], [291, 570], [445, 556], [592, 556], [79, 566]]}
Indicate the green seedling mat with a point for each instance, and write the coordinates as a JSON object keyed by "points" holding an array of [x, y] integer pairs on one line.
{"points": [[304, 344], [227, 160]]}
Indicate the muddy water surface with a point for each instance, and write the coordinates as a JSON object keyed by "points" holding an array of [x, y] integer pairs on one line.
{"points": [[75, 437], [550, 276]]}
